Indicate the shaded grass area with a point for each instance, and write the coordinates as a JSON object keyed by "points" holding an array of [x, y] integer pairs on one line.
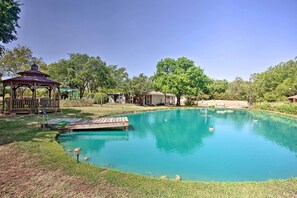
{"points": [[27, 137], [108, 109]]}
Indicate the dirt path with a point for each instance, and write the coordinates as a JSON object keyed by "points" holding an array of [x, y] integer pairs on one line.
{"points": [[22, 176]]}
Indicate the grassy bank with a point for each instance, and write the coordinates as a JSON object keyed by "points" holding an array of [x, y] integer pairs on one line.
{"points": [[284, 108], [34, 149]]}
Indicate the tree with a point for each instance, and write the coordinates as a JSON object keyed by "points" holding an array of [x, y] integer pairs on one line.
{"points": [[197, 81], [238, 89], [9, 16], [18, 59], [217, 88], [82, 72], [179, 77], [100, 75], [59, 72], [276, 83], [87, 72], [139, 85], [119, 76]]}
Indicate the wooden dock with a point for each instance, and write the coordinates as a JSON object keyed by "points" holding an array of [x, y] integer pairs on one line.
{"points": [[72, 124]]}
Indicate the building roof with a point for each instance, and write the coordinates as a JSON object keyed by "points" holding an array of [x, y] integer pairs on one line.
{"points": [[157, 93], [293, 97]]}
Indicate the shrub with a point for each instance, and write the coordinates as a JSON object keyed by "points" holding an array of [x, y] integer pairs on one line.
{"points": [[270, 97], [189, 102], [290, 108], [90, 96], [101, 98]]}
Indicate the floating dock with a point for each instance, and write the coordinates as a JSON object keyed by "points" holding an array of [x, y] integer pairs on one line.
{"points": [[72, 124]]}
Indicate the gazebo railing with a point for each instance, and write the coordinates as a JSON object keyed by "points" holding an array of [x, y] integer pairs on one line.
{"points": [[32, 105], [21, 104], [48, 103]]}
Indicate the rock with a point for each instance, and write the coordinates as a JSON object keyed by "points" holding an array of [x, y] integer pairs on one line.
{"points": [[86, 158], [69, 150], [177, 177], [164, 177]]}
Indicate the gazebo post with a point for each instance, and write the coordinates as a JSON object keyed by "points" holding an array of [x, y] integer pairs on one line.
{"points": [[59, 96], [11, 96], [54, 97], [3, 97], [50, 92], [34, 97]]}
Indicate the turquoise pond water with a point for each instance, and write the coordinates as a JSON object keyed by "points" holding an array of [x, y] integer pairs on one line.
{"points": [[245, 146]]}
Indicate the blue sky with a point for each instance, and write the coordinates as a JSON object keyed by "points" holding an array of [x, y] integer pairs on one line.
{"points": [[227, 38]]}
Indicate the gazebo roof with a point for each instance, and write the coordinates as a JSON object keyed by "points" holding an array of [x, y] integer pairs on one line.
{"points": [[30, 79], [32, 73], [32, 76]]}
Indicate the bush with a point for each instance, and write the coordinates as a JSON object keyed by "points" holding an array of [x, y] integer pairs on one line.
{"points": [[90, 96], [290, 108], [270, 97], [101, 98], [189, 102]]}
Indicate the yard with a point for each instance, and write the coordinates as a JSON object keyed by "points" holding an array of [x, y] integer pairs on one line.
{"points": [[33, 164]]}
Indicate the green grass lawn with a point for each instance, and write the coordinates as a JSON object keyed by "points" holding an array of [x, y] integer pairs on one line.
{"points": [[22, 133]]}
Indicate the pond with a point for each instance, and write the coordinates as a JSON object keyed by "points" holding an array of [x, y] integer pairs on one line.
{"points": [[196, 144]]}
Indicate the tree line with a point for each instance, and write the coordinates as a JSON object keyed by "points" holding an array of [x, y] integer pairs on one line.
{"points": [[180, 77]]}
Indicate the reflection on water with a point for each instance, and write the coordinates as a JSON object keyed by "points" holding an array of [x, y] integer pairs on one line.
{"points": [[174, 131], [243, 146], [281, 130]]}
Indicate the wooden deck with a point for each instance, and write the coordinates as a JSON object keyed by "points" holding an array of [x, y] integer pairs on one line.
{"points": [[72, 124]]}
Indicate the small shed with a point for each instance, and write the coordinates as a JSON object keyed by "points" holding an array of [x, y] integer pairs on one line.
{"points": [[32, 79], [293, 98], [68, 93]]}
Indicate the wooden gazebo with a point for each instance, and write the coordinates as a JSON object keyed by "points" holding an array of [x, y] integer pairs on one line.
{"points": [[32, 79]]}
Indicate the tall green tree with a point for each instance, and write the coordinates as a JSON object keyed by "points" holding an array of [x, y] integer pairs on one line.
{"points": [[120, 77], [276, 83], [59, 72], [238, 89], [9, 16], [140, 84], [217, 88], [197, 81], [179, 77], [18, 59], [82, 72], [100, 75]]}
